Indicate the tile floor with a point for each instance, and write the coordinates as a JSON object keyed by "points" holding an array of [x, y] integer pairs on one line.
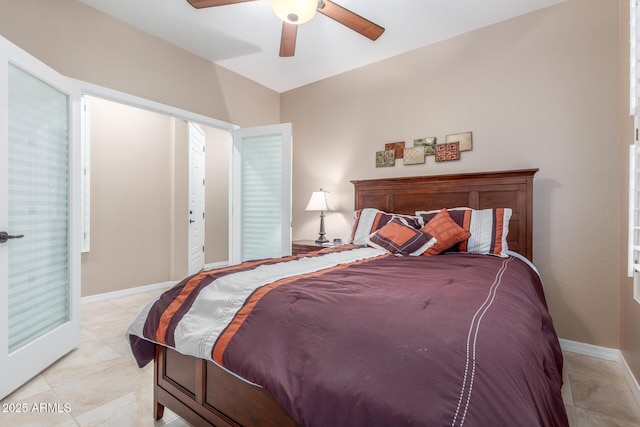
{"points": [[99, 379], [596, 393], [102, 386]]}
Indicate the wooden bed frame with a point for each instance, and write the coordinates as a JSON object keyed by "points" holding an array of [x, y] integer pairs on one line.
{"points": [[205, 394]]}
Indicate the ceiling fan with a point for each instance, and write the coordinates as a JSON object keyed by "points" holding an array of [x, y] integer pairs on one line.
{"points": [[296, 12]]}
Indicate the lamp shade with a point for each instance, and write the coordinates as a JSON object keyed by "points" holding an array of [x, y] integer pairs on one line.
{"points": [[295, 11], [320, 201]]}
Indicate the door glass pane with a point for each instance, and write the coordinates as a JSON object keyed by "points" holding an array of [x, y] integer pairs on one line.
{"points": [[261, 197], [38, 208]]}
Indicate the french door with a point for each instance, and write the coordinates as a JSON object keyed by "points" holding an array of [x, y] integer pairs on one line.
{"points": [[261, 192], [39, 216]]}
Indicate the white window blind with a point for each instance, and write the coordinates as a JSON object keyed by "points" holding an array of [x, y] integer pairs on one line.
{"points": [[38, 202], [634, 218], [262, 170], [634, 249]]}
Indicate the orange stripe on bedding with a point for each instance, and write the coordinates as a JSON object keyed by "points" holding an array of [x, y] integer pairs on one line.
{"points": [[356, 220], [376, 221], [499, 229], [167, 314], [192, 284], [466, 224], [227, 335]]}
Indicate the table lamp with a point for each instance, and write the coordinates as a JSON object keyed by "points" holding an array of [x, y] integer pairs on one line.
{"points": [[320, 201]]}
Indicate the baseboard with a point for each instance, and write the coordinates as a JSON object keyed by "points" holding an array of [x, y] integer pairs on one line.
{"points": [[606, 354], [631, 379], [590, 350], [126, 292]]}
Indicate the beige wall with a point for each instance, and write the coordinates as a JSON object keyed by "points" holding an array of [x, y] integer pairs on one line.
{"points": [[629, 308], [139, 198], [131, 150], [217, 195], [541, 91]]}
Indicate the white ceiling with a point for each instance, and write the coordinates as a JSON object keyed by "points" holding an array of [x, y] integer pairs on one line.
{"points": [[245, 37]]}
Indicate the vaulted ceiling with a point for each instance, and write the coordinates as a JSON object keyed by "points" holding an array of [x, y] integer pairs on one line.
{"points": [[245, 37]]}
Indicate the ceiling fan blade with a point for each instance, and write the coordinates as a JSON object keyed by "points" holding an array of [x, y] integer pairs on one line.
{"points": [[288, 39], [352, 20], [199, 4]]}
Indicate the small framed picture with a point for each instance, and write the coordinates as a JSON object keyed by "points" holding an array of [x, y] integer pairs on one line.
{"points": [[397, 146], [465, 139], [385, 158], [414, 155], [429, 144], [447, 151]]}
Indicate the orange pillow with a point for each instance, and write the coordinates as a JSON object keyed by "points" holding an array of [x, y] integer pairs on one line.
{"points": [[399, 239], [446, 232]]}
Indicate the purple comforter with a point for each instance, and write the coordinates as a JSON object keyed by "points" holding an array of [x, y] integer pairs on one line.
{"points": [[453, 340]]}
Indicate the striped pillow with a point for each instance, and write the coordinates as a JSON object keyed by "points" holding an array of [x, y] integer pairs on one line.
{"points": [[369, 220], [401, 239], [446, 231], [488, 227]]}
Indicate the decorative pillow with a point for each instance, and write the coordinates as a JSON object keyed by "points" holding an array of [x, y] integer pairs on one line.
{"points": [[446, 232], [369, 220], [457, 214], [401, 239], [488, 227]]}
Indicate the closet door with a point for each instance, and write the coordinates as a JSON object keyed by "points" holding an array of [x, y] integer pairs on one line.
{"points": [[39, 217], [196, 236]]}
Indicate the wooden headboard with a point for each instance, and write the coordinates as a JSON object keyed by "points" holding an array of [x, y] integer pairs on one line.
{"points": [[507, 189]]}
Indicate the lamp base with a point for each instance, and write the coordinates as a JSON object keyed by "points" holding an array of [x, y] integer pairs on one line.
{"points": [[322, 239]]}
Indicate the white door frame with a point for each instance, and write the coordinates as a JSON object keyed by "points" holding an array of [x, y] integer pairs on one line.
{"points": [[146, 104], [196, 202]]}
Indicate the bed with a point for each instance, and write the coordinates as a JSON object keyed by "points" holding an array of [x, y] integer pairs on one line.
{"points": [[360, 336]]}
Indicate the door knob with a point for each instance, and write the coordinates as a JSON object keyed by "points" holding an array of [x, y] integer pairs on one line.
{"points": [[191, 221], [4, 236]]}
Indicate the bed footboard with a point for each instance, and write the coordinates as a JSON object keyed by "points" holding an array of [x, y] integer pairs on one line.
{"points": [[206, 395]]}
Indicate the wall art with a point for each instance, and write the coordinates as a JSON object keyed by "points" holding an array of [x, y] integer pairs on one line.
{"points": [[429, 144], [447, 151], [385, 158], [397, 146], [414, 155], [465, 139]]}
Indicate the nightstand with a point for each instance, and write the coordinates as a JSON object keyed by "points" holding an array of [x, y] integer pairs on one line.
{"points": [[299, 247]]}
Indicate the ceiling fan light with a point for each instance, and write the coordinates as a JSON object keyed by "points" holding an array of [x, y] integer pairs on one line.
{"points": [[294, 11]]}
